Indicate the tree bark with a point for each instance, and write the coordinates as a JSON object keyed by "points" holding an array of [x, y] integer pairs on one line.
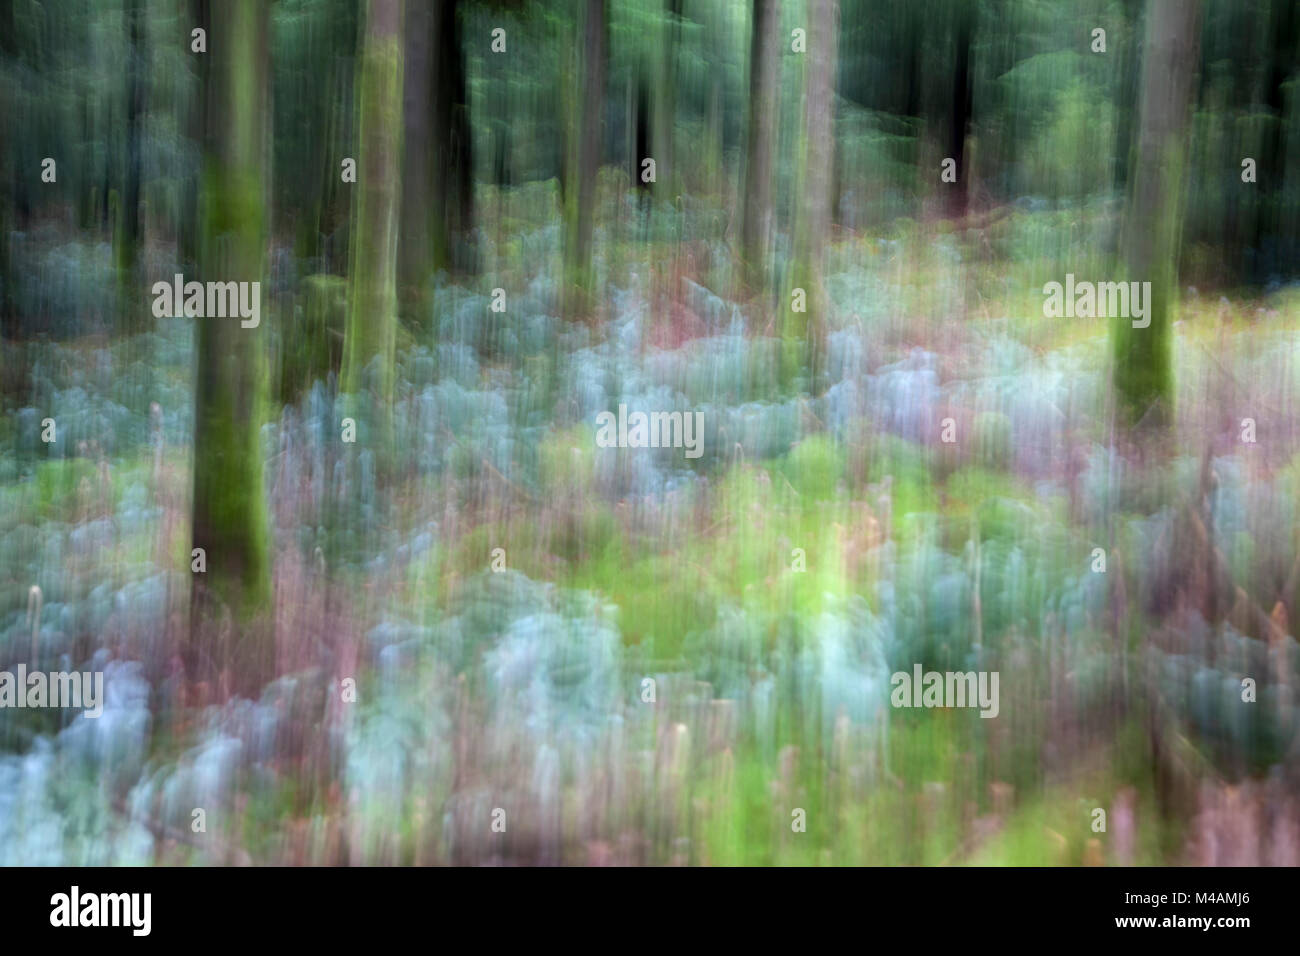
{"points": [[583, 160], [229, 509], [372, 303], [8, 186], [128, 239], [437, 192], [1143, 373], [960, 109], [665, 102], [764, 74], [416, 261], [804, 344], [453, 169]]}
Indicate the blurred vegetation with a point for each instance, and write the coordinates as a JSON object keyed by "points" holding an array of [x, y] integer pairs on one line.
{"points": [[501, 269]]}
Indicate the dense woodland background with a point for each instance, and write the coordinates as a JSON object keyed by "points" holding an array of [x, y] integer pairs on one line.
{"points": [[501, 269]]}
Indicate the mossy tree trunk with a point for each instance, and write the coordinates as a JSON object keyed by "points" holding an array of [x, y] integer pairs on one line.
{"points": [[230, 519], [368, 354], [1143, 357]]}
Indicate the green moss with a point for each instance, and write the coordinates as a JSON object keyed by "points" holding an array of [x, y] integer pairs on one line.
{"points": [[1143, 357], [230, 519]]}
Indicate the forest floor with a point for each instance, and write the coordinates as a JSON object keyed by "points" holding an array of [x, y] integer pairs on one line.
{"points": [[766, 591]]}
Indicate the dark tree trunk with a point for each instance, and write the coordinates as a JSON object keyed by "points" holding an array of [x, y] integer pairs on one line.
{"points": [[453, 166], [416, 261], [1278, 228], [764, 72], [134, 317], [437, 178], [960, 110], [8, 182]]}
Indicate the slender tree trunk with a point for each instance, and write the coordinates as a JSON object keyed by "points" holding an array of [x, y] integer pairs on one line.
{"points": [[583, 160], [1143, 373], [372, 303], [195, 122], [665, 103], [1130, 70], [313, 184], [437, 177], [453, 170], [415, 261], [1277, 228], [764, 74], [8, 185], [805, 334], [640, 122], [819, 127], [230, 519], [961, 108], [128, 239]]}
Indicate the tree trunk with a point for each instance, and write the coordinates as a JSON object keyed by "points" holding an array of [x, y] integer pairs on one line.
{"points": [[8, 187], [230, 517], [372, 302], [437, 178], [764, 73], [804, 339], [1143, 373], [583, 159], [134, 318], [960, 110], [1276, 236], [195, 124], [665, 103], [453, 169], [415, 261]]}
